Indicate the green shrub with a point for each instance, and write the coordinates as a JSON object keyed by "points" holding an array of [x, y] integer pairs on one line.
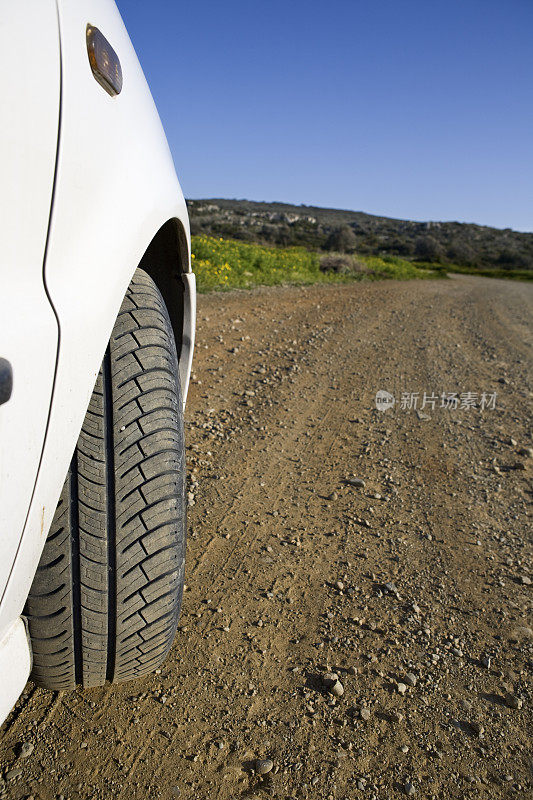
{"points": [[342, 264], [428, 249], [342, 239], [226, 264]]}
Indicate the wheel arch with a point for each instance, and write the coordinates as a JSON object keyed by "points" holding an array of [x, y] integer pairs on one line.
{"points": [[167, 261]]}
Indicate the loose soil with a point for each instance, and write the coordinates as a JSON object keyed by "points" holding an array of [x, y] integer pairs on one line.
{"points": [[414, 588]]}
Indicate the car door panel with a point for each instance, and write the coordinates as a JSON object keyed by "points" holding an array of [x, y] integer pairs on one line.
{"points": [[30, 88]]}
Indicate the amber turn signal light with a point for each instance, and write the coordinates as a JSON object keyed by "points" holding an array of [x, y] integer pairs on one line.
{"points": [[104, 61]]}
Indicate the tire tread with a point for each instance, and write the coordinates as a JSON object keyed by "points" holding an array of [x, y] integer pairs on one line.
{"points": [[106, 597]]}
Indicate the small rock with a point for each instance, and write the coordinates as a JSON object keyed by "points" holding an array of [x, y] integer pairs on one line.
{"points": [[526, 451], [512, 701], [402, 688], [351, 670], [395, 716], [339, 585], [263, 766], [26, 749], [410, 679], [333, 496], [329, 679], [392, 589], [485, 662], [456, 651], [337, 690], [409, 789], [522, 632], [358, 483], [365, 714], [13, 774], [525, 580]]}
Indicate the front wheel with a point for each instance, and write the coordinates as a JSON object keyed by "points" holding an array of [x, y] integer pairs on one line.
{"points": [[105, 601]]}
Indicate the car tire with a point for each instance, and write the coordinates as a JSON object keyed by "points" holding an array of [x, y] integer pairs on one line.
{"points": [[105, 601]]}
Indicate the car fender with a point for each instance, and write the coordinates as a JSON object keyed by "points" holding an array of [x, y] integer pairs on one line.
{"points": [[29, 332], [115, 189]]}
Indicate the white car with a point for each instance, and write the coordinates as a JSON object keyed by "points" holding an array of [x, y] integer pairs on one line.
{"points": [[97, 319]]}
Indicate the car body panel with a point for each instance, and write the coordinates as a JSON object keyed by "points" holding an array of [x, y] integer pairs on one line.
{"points": [[28, 326], [115, 188], [15, 665]]}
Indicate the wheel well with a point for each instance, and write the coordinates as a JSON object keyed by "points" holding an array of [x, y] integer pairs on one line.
{"points": [[165, 260]]}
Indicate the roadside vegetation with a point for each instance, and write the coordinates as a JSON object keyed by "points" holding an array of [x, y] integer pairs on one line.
{"points": [[493, 272], [227, 264], [438, 246]]}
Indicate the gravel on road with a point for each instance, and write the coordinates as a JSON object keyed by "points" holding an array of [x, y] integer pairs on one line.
{"points": [[357, 619]]}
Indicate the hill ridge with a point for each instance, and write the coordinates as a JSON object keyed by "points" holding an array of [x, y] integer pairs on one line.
{"points": [[467, 244]]}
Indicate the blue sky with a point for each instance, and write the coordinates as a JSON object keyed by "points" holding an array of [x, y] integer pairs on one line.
{"points": [[414, 109]]}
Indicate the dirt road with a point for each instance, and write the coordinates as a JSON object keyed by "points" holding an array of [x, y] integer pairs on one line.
{"points": [[413, 586]]}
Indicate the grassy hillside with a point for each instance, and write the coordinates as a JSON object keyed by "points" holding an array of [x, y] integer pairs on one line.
{"points": [[451, 245], [226, 264]]}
